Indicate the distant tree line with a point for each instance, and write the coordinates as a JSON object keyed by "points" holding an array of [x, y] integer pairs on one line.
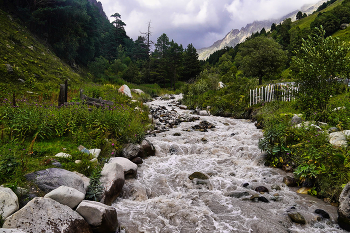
{"points": [[82, 36]]}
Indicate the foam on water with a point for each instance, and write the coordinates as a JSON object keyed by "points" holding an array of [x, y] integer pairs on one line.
{"points": [[164, 199]]}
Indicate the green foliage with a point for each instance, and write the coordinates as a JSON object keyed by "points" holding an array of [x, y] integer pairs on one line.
{"points": [[30, 60], [8, 166], [261, 57], [306, 149], [95, 189], [315, 75], [230, 100]]}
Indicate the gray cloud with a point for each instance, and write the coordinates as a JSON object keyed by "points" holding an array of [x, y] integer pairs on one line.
{"points": [[200, 22]]}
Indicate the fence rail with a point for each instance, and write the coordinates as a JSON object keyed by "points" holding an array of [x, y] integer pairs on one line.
{"points": [[280, 91]]}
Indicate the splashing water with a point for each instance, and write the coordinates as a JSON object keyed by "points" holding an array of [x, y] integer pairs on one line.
{"points": [[164, 199]]}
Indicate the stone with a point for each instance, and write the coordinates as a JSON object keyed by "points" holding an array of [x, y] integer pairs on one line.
{"points": [[66, 196], [112, 180], [95, 152], [287, 168], [308, 124], [237, 194], [297, 217], [221, 85], [333, 129], [85, 179], [261, 189], [245, 185], [344, 26], [275, 187], [56, 163], [263, 199], [63, 155], [47, 215], [138, 91], [147, 148], [102, 218], [183, 107], [338, 139], [323, 213], [296, 120], [198, 175], [204, 113], [9, 68], [3, 230], [131, 151], [125, 90], [303, 190], [52, 178], [82, 149], [130, 168], [289, 181], [255, 197], [8, 202], [344, 208], [177, 134], [137, 160]]}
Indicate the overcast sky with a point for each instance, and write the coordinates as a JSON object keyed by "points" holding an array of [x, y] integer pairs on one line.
{"points": [[200, 22]]}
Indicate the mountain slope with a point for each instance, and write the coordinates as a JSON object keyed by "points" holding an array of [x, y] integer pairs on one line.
{"points": [[236, 36], [23, 57]]}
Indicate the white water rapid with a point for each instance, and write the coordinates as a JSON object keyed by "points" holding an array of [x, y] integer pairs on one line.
{"points": [[163, 199]]}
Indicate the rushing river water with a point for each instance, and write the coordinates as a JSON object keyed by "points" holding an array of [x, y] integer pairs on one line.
{"points": [[163, 198]]}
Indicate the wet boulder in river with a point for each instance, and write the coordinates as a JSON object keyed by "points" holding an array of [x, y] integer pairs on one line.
{"points": [[262, 189], [289, 181], [198, 175], [344, 208]]}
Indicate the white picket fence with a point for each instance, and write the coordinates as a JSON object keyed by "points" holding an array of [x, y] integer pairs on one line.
{"points": [[280, 91]]}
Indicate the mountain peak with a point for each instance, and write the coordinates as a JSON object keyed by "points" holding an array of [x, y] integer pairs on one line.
{"points": [[236, 36]]}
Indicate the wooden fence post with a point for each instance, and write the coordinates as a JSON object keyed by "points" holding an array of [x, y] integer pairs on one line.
{"points": [[62, 95]]}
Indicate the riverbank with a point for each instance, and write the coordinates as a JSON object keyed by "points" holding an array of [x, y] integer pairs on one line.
{"points": [[225, 150]]}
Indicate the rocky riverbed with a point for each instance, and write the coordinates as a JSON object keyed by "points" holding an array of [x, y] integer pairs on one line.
{"points": [[208, 176]]}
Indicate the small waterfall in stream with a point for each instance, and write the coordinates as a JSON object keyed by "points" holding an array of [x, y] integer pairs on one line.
{"points": [[163, 199]]}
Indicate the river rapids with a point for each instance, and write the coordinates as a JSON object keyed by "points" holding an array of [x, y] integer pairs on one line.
{"points": [[163, 199]]}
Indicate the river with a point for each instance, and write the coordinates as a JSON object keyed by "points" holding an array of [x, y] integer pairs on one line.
{"points": [[163, 199]]}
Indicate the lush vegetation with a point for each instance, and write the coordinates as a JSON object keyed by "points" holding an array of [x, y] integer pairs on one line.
{"points": [[36, 129], [33, 129]]}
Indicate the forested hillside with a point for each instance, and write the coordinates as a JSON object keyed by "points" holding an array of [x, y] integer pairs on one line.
{"points": [[78, 32]]}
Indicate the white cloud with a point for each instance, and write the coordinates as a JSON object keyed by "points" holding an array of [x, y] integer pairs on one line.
{"points": [[200, 22]]}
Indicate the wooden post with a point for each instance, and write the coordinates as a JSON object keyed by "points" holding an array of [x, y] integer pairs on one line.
{"points": [[66, 91], [14, 99], [62, 95]]}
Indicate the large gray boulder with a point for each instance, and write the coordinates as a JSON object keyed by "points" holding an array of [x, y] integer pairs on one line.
{"points": [[102, 218], [131, 151], [344, 208], [338, 139], [8, 202], [66, 196], [296, 120], [130, 168], [125, 90], [147, 149], [47, 215], [52, 178], [112, 180]]}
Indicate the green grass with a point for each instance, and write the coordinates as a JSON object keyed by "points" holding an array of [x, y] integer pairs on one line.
{"points": [[306, 22], [30, 59], [344, 35], [35, 130]]}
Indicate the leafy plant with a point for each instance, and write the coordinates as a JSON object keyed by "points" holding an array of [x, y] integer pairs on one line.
{"points": [[95, 189]]}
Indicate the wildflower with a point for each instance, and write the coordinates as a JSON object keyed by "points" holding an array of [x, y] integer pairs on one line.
{"points": [[112, 144]]}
